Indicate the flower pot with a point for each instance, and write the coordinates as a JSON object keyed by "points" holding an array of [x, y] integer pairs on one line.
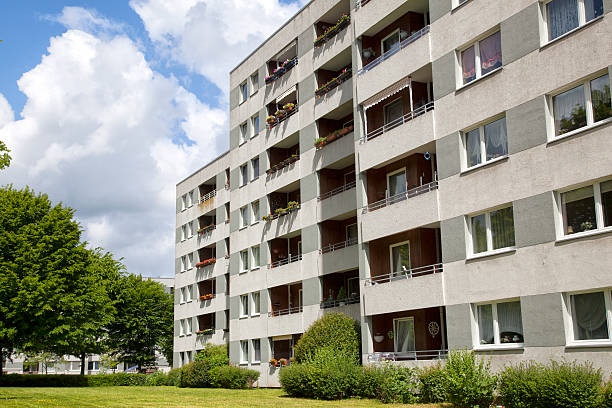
{"points": [[331, 137]]}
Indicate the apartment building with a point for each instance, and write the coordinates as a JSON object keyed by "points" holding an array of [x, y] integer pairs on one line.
{"points": [[439, 170]]}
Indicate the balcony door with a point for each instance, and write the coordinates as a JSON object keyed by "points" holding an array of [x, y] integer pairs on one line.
{"points": [[403, 335], [391, 43], [396, 184], [351, 234], [393, 113], [400, 259]]}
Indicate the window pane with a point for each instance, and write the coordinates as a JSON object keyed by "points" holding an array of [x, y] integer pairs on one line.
{"points": [[255, 168], [600, 95], [510, 322], [479, 233], [256, 350], [397, 183], [490, 53], [579, 210], [485, 324], [400, 258], [502, 228], [569, 110], [394, 111], [496, 139], [593, 8], [392, 43], [606, 201], [589, 316], [472, 143], [469, 65], [562, 17], [256, 257]]}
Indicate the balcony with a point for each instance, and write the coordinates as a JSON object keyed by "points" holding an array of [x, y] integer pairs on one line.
{"points": [[340, 289], [404, 274], [414, 192], [280, 67], [285, 257], [380, 18], [401, 120], [206, 324]]}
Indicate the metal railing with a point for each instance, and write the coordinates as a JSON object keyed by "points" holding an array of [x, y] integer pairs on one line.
{"points": [[337, 246], [283, 118], [286, 261], [337, 191], [405, 274], [208, 196], [425, 188], [360, 3], [399, 121], [326, 304], [403, 44], [409, 355], [284, 312]]}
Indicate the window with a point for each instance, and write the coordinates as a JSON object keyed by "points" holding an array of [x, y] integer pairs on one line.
{"points": [[396, 183], [244, 217], [182, 327], [256, 350], [486, 143], [590, 315], [183, 295], [189, 293], [403, 335], [244, 351], [563, 16], [93, 365], [184, 202], [244, 261], [256, 305], [244, 92], [492, 231], [351, 234], [183, 232], [190, 261], [188, 327], [400, 258], [190, 229], [481, 58], [391, 43], [394, 111], [255, 167], [457, 3], [255, 255], [499, 324], [244, 175], [75, 365], [582, 106], [587, 208], [244, 133], [255, 124], [183, 263], [255, 210], [254, 83], [244, 305], [190, 199]]}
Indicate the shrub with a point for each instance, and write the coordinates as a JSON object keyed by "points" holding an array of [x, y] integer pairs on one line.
{"points": [[397, 385], [117, 379], [156, 379], [197, 373], [232, 377], [432, 385], [606, 395], [172, 378], [295, 380], [469, 380], [34, 380], [559, 385], [369, 380], [334, 330]]}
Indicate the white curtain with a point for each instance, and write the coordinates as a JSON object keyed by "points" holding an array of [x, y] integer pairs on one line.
{"points": [[490, 53], [473, 147], [569, 110], [485, 324], [502, 228], [509, 318], [562, 17], [496, 139], [589, 313], [397, 184], [479, 233], [404, 335]]}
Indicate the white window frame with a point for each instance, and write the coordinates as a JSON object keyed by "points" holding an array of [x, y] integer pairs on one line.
{"points": [[545, 36], [256, 216], [600, 228], [182, 327], [477, 65], [244, 268], [255, 176], [496, 334], [347, 230], [189, 327], [457, 3], [253, 265], [183, 263], [393, 173], [483, 147], [568, 319], [183, 202], [403, 319], [392, 272], [244, 349], [254, 85], [253, 119], [385, 110], [489, 251], [382, 42], [183, 295], [254, 359], [190, 262], [590, 116], [244, 92], [244, 306], [190, 229], [183, 232], [189, 293], [244, 180], [244, 216], [256, 305], [244, 133]]}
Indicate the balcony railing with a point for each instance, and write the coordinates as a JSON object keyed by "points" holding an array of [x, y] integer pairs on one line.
{"points": [[208, 196], [425, 188], [280, 119], [409, 355], [405, 274], [337, 246], [326, 304], [399, 121], [284, 312], [337, 191], [360, 3], [286, 261], [403, 44]]}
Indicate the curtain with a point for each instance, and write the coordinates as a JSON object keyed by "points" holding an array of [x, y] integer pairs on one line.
{"points": [[404, 335], [562, 17], [593, 8], [510, 322], [473, 147], [490, 53], [502, 228], [397, 184], [496, 139], [479, 233], [600, 95], [589, 313], [485, 324], [469, 65], [606, 201], [569, 110], [401, 258]]}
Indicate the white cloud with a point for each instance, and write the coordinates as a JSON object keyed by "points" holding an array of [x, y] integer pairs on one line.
{"points": [[98, 132], [211, 37], [6, 112], [78, 18]]}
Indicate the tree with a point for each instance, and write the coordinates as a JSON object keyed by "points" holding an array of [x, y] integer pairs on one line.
{"points": [[143, 322], [5, 158], [46, 360]]}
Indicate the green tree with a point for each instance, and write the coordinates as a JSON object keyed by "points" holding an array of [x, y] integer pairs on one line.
{"points": [[5, 158]]}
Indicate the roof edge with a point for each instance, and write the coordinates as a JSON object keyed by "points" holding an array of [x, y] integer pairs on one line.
{"points": [[204, 166]]}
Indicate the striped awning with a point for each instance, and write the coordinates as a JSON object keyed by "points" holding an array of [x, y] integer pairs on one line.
{"points": [[287, 93], [387, 92]]}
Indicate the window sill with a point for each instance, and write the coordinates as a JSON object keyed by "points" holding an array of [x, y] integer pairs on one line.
{"points": [[459, 6], [588, 23], [585, 234], [255, 223], [255, 178], [500, 347], [188, 334], [241, 143], [256, 314], [578, 131], [477, 80], [485, 164], [243, 227], [242, 272], [242, 185], [243, 317], [491, 253], [244, 363], [256, 363], [589, 344], [255, 135], [254, 268]]}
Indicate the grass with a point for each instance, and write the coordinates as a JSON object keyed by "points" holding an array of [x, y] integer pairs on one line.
{"points": [[170, 397]]}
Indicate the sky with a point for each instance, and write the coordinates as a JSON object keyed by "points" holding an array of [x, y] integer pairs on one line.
{"points": [[107, 105]]}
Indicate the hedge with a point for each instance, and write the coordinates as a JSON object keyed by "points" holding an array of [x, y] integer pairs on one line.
{"points": [[36, 380], [232, 377]]}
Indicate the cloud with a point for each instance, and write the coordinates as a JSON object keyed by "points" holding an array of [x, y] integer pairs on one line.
{"points": [[99, 132], [78, 18], [210, 37]]}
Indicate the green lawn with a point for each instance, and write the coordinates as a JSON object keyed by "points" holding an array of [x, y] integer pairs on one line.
{"points": [[168, 397]]}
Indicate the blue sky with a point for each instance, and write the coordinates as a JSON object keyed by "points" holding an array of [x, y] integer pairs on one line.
{"points": [[106, 105]]}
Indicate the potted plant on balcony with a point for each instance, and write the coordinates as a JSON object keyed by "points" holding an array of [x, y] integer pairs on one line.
{"points": [[283, 362], [320, 142], [280, 211], [292, 206], [268, 217], [280, 114], [290, 63], [320, 40], [273, 362], [289, 107], [270, 78], [342, 296], [271, 120], [332, 136], [293, 158]]}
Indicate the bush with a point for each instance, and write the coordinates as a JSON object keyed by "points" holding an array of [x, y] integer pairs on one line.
{"points": [[559, 385], [432, 385], [397, 385], [369, 380], [295, 380], [197, 373], [34, 380], [156, 379], [117, 379], [469, 382], [334, 330], [172, 378], [606, 395], [232, 377]]}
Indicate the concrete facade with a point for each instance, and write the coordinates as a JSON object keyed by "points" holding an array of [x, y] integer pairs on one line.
{"points": [[388, 214]]}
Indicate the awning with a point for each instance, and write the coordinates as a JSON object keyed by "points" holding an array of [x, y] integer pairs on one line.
{"points": [[285, 337], [286, 93], [385, 93]]}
